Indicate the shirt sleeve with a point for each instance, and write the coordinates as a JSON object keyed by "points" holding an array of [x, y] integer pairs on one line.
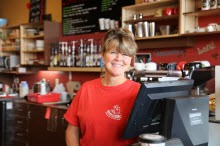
{"points": [[71, 113]]}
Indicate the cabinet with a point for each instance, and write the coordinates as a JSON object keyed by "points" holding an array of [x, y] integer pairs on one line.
{"points": [[192, 15], [174, 39], [36, 39], [6, 129], [21, 116], [36, 124], [10, 40]]}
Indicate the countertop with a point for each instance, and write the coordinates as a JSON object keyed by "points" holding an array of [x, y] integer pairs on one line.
{"points": [[213, 120], [58, 105]]}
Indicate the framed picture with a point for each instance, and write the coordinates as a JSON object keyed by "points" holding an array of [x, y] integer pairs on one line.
{"points": [[142, 57]]}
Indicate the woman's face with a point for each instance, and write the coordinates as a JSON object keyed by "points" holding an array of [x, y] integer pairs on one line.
{"points": [[116, 64]]}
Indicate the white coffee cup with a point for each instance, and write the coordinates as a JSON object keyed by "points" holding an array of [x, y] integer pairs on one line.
{"points": [[151, 66], [214, 25], [112, 24], [210, 28], [107, 23], [102, 23], [139, 66]]}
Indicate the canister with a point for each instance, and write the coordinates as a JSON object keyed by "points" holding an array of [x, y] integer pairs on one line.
{"points": [[152, 140], [23, 89]]}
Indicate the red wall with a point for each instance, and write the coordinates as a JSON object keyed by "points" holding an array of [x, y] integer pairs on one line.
{"points": [[206, 48]]}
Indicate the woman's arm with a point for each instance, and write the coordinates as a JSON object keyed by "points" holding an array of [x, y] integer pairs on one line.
{"points": [[72, 135]]}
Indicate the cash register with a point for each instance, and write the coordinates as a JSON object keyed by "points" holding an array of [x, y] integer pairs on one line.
{"points": [[168, 109]]}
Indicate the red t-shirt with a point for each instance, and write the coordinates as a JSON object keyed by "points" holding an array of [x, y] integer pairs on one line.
{"points": [[101, 112]]}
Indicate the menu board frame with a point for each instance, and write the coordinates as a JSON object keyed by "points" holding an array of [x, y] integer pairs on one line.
{"points": [[82, 16], [37, 10]]}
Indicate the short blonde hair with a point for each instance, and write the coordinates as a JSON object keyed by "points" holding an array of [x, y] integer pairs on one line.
{"points": [[122, 40]]}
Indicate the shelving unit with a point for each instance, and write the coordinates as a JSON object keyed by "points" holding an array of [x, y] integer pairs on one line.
{"points": [[159, 41], [10, 40], [38, 56], [191, 14], [148, 10]]}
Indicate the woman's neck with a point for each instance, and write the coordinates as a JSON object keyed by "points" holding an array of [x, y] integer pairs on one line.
{"points": [[113, 81]]}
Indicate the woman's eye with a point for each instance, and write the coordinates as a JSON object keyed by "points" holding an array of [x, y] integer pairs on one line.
{"points": [[125, 55], [113, 52]]}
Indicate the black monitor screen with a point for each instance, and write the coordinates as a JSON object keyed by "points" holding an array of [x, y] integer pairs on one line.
{"points": [[148, 106]]}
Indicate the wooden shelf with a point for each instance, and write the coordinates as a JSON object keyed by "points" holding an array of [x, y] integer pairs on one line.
{"points": [[14, 72], [10, 38], [32, 51], [210, 12], [201, 33], [157, 37], [11, 49], [166, 42], [152, 18], [151, 5], [75, 69], [33, 37]]}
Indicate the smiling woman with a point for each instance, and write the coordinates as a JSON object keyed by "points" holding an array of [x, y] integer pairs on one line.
{"points": [[105, 103], [118, 49]]}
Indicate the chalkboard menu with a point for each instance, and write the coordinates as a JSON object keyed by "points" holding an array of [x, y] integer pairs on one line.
{"points": [[82, 16], [37, 10]]}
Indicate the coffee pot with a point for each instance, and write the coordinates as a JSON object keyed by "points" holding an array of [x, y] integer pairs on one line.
{"points": [[42, 87]]}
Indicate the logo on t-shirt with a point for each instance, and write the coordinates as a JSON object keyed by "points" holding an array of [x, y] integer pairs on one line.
{"points": [[114, 113]]}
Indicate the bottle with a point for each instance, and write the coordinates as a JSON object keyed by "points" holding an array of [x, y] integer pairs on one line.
{"points": [[81, 53], [91, 56], [73, 53], [52, 55], [23, 89]]}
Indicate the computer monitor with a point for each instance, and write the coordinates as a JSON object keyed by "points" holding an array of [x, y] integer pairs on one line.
{"points": [[149, 106], [187, 118]]}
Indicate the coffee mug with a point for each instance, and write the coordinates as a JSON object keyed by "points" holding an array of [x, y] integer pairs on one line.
{"points": [[139, 66], [162, 66], [204, 63], [181, 65], [168, 11], [151, 66], [214, 25], [193, 65], [171, 66]]}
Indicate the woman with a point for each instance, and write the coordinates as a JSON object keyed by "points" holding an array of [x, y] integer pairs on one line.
{"points": [[100, 109]]}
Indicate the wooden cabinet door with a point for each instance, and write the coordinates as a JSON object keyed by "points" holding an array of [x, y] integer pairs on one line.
{"points": [[37, 126], [57, 127]]}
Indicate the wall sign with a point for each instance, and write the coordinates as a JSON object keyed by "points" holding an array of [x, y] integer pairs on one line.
{"points": [[81, 16], [37, 10]]}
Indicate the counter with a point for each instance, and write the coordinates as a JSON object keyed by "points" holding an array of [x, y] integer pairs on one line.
{"points": [[55, 105], [214, 128]]}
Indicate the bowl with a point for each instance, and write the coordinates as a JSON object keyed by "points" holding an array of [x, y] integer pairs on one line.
{"points": [[3, 22]]}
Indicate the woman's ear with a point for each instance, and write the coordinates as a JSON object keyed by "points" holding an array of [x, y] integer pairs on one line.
{"points": [[102, 57]]}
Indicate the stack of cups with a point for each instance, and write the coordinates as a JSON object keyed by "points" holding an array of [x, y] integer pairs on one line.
{"points": [[106, 24]]}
